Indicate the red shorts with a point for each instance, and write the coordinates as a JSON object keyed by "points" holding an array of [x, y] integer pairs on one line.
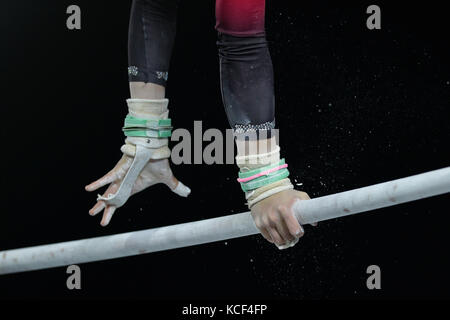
{"points": [[240, 17]]}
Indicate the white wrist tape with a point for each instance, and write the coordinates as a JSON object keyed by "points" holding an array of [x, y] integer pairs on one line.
{"points": [[150, 109], [259, 194], [254, 161]]}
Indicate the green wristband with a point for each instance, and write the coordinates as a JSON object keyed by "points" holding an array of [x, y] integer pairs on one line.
{"points": [[265, 180], [133, 122]]}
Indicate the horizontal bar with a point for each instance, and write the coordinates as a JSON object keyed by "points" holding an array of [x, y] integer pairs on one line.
{"points": [[227, 227]]}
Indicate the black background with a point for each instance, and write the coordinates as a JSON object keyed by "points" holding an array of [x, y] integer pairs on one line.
{"points": [[355, 107]]}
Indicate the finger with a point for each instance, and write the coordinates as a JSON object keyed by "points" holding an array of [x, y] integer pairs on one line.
{"points": [[276, 236], [265, 233], [177, 186], [106, 179], [284, 232], [181, 189], [107, 215], [282, 229], [295, 229], [112, 189], [119, 170], [99, 206], [288, 244]]}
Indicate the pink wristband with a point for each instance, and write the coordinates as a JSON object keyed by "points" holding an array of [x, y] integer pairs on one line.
{"points": [[263, 173]]}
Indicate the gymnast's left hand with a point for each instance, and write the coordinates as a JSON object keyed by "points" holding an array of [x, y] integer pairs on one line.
{"points": [[275, 219]]}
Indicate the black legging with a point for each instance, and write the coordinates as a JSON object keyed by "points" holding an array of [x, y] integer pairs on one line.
{"points": [[245, 65]]}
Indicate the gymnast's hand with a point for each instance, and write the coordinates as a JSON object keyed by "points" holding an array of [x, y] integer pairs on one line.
{"points": [[155, 171], [275, 219]]}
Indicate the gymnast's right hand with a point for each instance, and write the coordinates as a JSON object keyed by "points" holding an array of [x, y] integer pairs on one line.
{"points": [[155, 171], [144, 162]]}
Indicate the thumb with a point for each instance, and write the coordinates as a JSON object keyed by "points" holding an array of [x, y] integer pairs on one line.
{"points": [[181, 189]]}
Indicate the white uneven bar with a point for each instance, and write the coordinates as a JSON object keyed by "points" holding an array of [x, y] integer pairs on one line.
{"points": [[232, 226]]}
